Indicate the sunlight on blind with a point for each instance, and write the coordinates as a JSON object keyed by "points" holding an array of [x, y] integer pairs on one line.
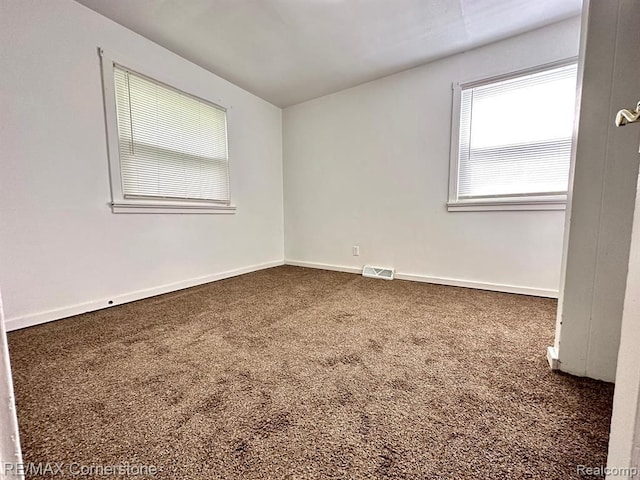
{"points": [[171, 145], [515, 135]]}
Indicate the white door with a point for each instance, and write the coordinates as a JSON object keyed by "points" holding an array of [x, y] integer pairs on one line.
{"points": [[10, 457], [624, 442]]}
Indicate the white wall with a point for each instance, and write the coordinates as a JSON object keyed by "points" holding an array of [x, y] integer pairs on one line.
{"points": [[369, 166], [604, 180], [61, 249]]}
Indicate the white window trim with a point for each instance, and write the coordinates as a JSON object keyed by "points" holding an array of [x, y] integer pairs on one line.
{"points": [[543, 202], [120, 204]]}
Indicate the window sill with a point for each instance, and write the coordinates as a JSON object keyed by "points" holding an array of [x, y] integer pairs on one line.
{"points": [[170, 207], [507, 204]]}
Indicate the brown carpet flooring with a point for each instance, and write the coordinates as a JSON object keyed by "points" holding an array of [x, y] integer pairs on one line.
{"points": [[299, 373]]}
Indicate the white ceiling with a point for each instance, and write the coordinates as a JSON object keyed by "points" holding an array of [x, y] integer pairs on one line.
{"points": [[289, 51]]}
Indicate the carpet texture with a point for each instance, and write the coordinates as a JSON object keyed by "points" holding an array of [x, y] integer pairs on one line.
{"points": [[300, 373]]}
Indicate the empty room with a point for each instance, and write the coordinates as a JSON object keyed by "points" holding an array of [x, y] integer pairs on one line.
{"points": [[313, 239]]}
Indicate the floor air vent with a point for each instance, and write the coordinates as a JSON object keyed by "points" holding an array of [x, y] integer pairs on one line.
{"points": [[377, 272]]}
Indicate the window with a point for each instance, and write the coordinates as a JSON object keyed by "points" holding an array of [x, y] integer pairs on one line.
{"points": [[511, 140], [167, 148]]}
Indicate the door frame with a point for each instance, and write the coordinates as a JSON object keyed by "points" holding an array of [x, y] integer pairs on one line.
{"points": [[10, 453]]}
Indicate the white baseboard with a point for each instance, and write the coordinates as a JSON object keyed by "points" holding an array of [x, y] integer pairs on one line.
{"points": [[323, 266], [25, 321], [17, 323], [495, 287], [552, 358], [536, 292]]}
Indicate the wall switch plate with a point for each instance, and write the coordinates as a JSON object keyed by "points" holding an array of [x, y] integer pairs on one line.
{"points": [[355, 250]]}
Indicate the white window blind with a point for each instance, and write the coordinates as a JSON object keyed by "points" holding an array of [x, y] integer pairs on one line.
{"points": [[515, 136], [171, 145]]}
